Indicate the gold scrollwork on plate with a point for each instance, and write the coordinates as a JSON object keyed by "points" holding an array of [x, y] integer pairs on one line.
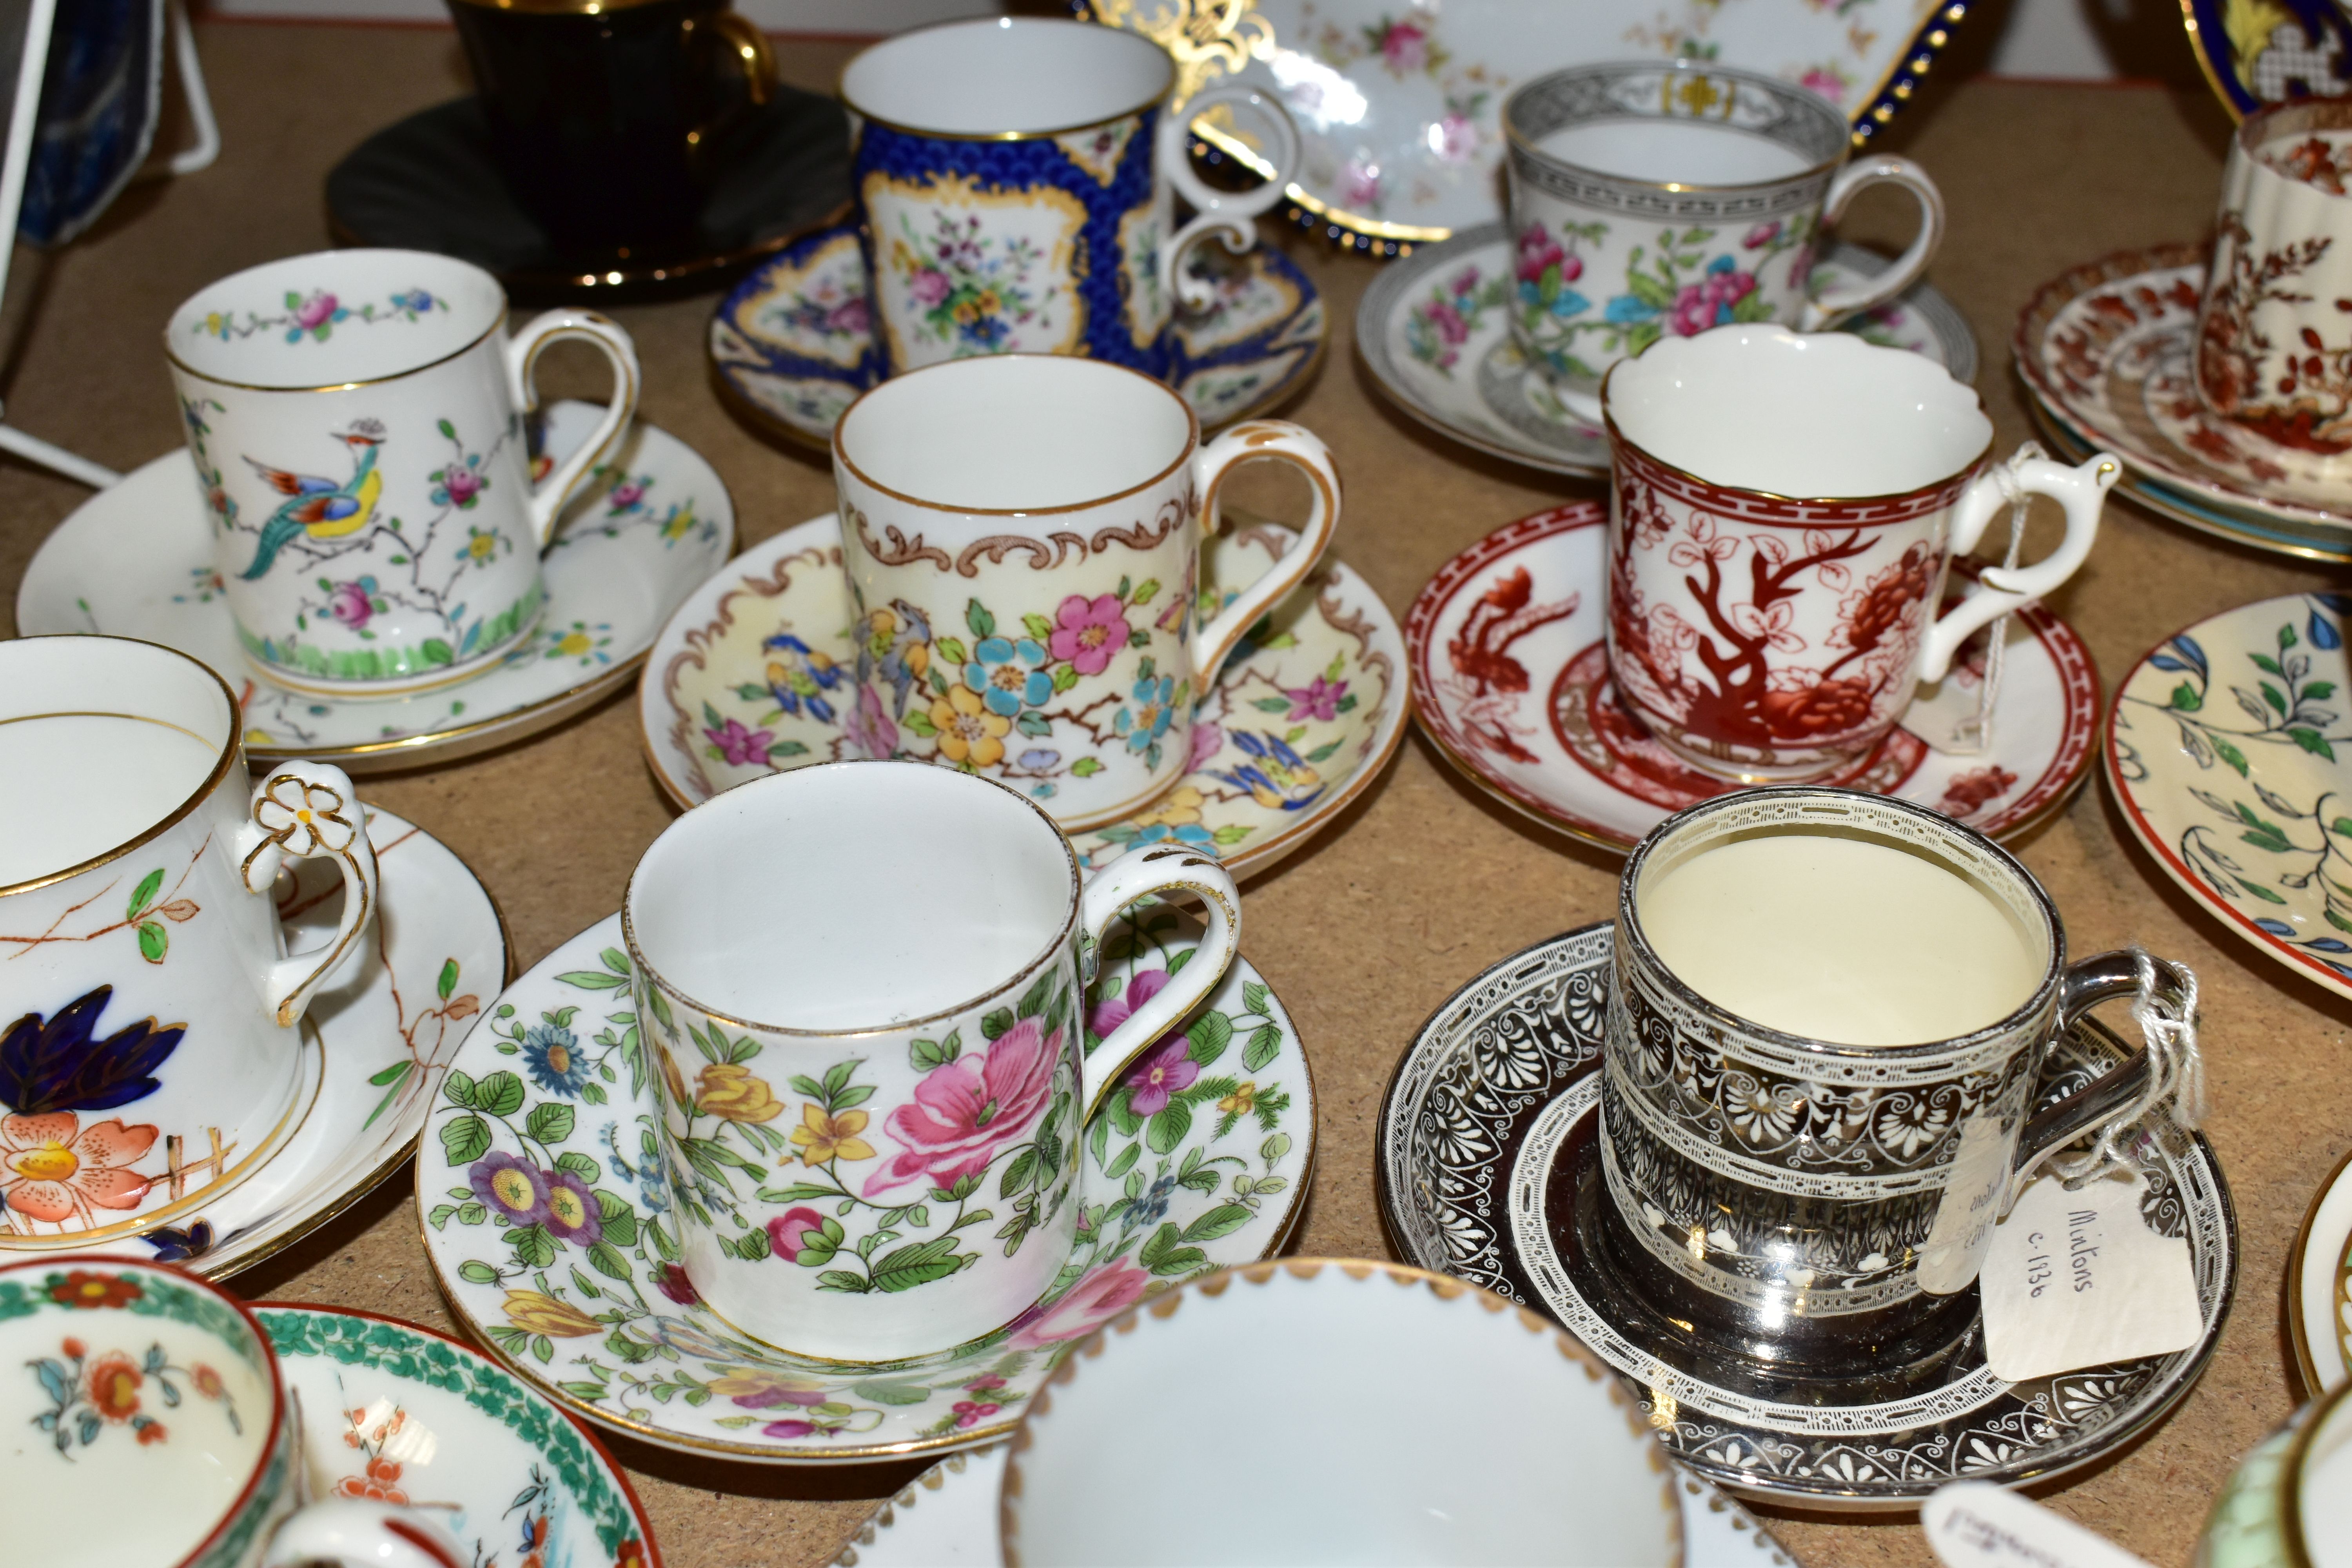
{"points": [[1206, 37]]}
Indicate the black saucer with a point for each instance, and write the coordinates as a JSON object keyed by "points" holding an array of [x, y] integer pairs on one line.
{"points": [[428, 184]]}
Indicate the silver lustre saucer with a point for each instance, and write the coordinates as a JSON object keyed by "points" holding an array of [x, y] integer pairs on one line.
{"points": [[1488, 1168]]}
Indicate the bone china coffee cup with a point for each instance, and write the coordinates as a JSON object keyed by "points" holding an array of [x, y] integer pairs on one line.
{"points": [[150, 1058], [355, 418], [145, 1423], [1828, 1016], [919, 942], [1017, 178], [1782, 513], [1658, 199], [1023, 538]]}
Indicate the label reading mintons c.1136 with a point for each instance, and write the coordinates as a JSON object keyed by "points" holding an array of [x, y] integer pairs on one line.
{"points": [[2076, 1280]]}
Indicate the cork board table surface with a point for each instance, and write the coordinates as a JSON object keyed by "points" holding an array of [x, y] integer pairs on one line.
{"points": [[1422, 883]]}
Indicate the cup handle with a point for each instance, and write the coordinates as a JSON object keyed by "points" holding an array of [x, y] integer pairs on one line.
{"points": [[1292, 443], [351, 1533], [1158, 869], [1834, 305], [2082, 490], [748, 47], [304, 811], [2088, 981], [549, 496], [1225, 213]]}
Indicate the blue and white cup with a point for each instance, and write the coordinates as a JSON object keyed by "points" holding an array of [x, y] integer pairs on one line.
{"points": [[1016, 181]]}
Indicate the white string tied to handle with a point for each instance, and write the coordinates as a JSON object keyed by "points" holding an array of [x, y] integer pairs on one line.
{"points": [[1974, 736], [2176, 1069]]}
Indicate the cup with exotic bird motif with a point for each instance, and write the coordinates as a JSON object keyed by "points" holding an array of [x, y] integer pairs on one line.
{"points": [[1023, 537], [865, 988], [152, 1056], [356, 422], [1783, 512], [1659, 198], [148, 1424]]}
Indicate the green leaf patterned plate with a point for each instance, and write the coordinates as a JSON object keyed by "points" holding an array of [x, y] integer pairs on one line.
{"points": [[605, 1322], [2223, 751], [752, 676], [396, 1412]]}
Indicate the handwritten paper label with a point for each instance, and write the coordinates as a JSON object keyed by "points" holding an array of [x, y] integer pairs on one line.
{"points": [[2076, 1280], [1975, 1524], [1956, 1242]]}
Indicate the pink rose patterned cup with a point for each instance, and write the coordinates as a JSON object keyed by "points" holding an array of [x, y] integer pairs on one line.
{"points": [[1783, 511], [930, 1059]]}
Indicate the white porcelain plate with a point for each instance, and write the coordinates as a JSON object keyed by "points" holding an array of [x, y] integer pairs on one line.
{"points": [[1434, 330], [1510, 678], [136, 561], [606, 1324], [2319, 1285], [394, 1412], [1398, 105], [755, 673], [2223, 751]]}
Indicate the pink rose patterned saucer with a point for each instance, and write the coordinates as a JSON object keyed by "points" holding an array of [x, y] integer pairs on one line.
{"points": [[2109, 349], [545, 1205], [1510, 677]]}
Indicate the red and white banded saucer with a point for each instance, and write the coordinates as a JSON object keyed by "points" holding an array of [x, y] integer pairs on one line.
{"points": [[1510, 679]]}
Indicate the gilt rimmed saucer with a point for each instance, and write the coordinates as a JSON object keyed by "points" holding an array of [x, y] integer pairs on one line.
{"points": [[383, 1030], [1510, 677], [792, 346], [1488, 1168], [394, 1412], [2243, 802], [2110, 348], [753, 676], [2319, 1285], [946, 1518], [136, 559], [606, 1323], [1434, 330]]}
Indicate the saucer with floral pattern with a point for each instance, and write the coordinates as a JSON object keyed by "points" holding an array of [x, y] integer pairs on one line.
{"points": [[600, 1317], [136, 560], [756, 673]]}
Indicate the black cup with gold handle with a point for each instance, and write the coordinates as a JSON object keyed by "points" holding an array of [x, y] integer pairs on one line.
{"points": [[609, 118]]}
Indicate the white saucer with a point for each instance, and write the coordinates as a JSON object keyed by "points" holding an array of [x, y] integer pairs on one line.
{"points": [[1552, 741], [136, 560], [2319, 1285], [753, 676], [387, 1027], [1435, 332], [946, 1518], [557, 1076]]}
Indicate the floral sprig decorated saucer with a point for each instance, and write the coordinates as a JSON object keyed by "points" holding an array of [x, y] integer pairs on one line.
{"points": [[546, 1211], [1434, 330], [792, 346], [755, 675], [383, 1032], [2222, 749], [1487, 1167], [946, 1518], [136, 560], [1510, 677], [394, 1412]]}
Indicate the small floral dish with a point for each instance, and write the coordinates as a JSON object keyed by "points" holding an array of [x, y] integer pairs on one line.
{"points": [[755, 674], [2319, 1287], [1510, 677], [397, 1414], [137, 560], [545, 1206], [2242, 802], [2110, 348], [1400, 107], [1487, 1157], [382, 1034], [946, 1518], [792, 346], [1436, 334]]}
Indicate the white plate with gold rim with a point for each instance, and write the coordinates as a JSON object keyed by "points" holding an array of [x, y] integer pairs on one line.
{"points": [[2319, 1285]]}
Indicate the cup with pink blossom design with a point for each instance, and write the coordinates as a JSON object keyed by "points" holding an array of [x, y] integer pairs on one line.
{"points": [[878, 970], [1022, 535], [1659, 198]]}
